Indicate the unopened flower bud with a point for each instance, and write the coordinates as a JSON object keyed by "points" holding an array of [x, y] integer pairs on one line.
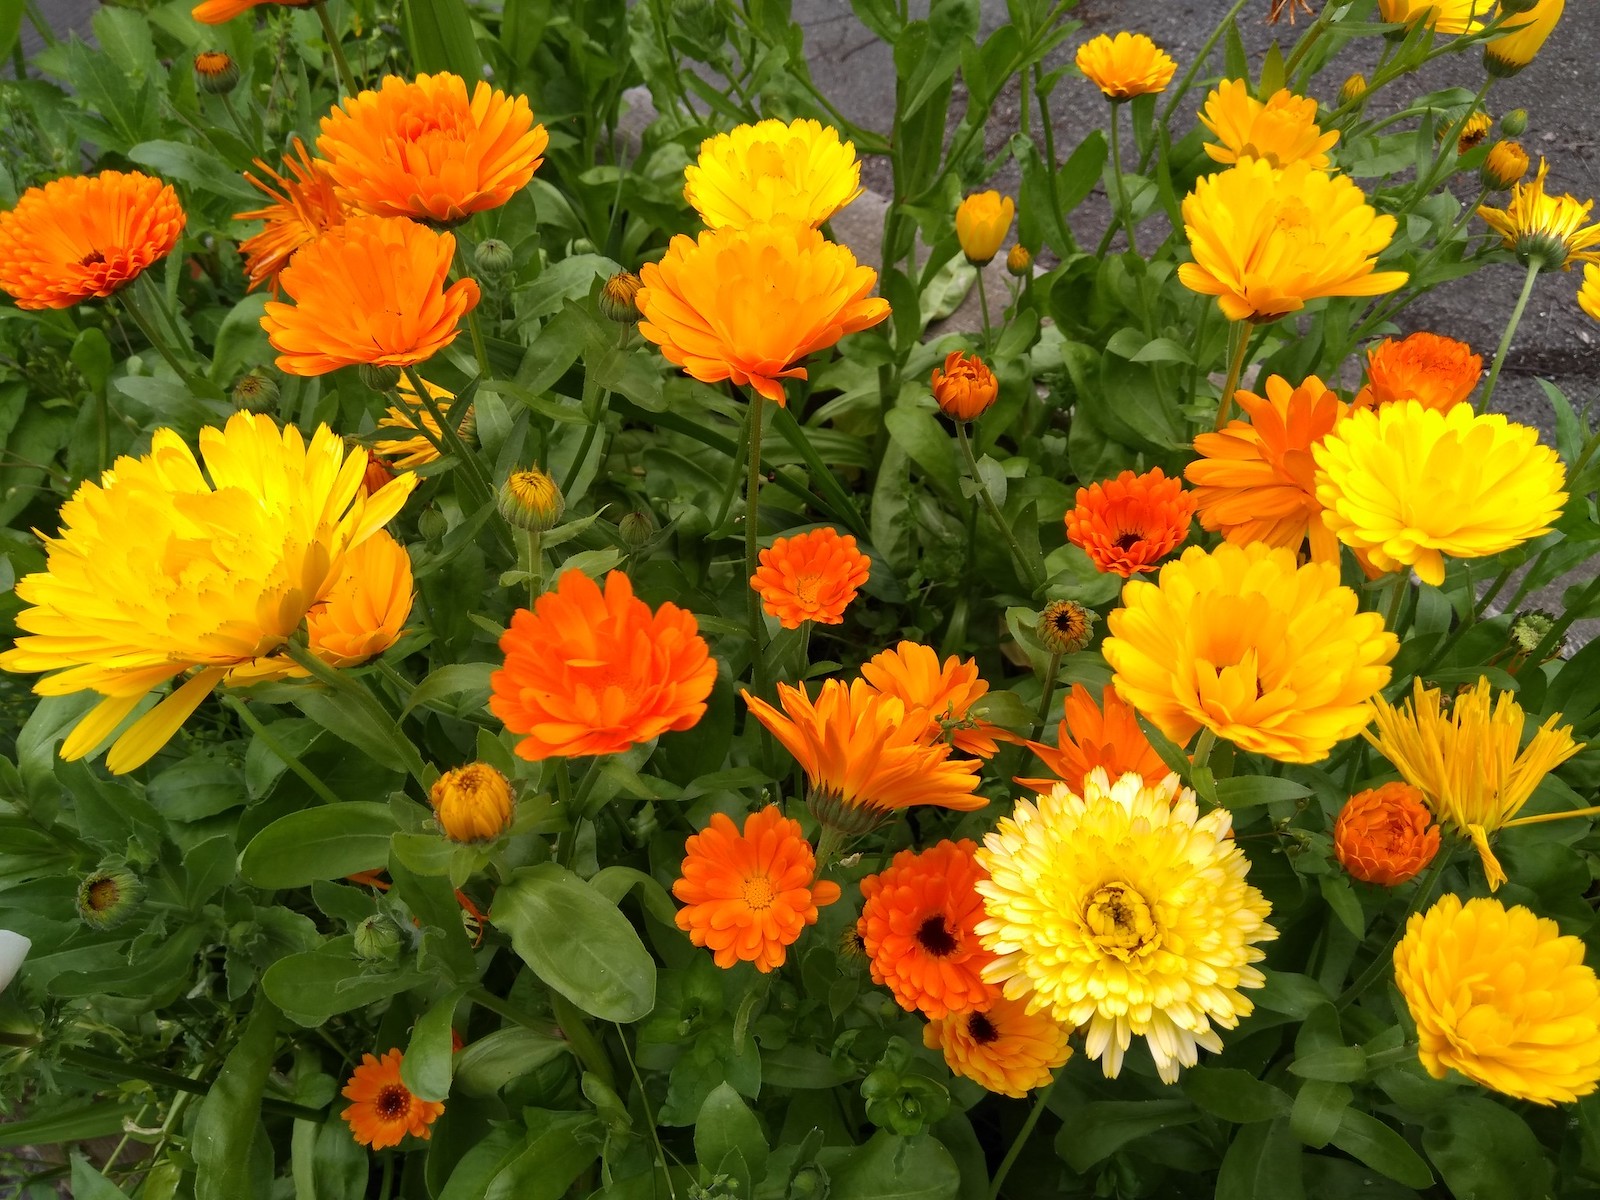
{"points": [[255, 393], [108, 897], [1507, 164], [1514, 123], [1353, 89], [377, 939], [493, 257], [379, 378], [216, 72], [472, 803], [619, 298], [432, 525], [1529, 628], [1019, 262], [1065, 626], [637, 528], [964, 387], [1509, 7], [531, 500]]}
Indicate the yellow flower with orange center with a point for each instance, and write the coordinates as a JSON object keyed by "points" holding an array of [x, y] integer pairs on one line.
{"points": [[1126, 65], [1104, 736], [771, 171], [1549, 230], [473, 803], [812, 576], [1385, 835], [1437, 372], [1448, 17], [419, 444], [1128, 524], [303, 208], [1521, 37], [965, 387], [912, 674], [1004, 1048], [382, 1109], [982, 221], [1281, 131]]}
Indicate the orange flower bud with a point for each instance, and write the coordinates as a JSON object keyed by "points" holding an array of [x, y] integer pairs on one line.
{"points": [[473, 803], [964, 387], [376, 475], [1385, 835]]}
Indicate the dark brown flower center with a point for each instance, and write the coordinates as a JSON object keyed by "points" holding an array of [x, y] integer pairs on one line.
{"points": [[935, 938], [393, 1102], [92, 259], [982, 1029], [103, 895], [1128, 541]]}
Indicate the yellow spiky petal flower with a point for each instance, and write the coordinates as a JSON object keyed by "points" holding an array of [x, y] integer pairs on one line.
{"points": [[771, 171], [1281, 131], [1589, 292], [416, 444], [1526, 33], [1447, 17], [1467, 763], [1549, 229], [1125, 66], [1406, 485], [1126, 912]]}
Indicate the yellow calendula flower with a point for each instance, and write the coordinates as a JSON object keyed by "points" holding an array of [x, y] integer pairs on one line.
{"points": [[1467, 763], [1549, 229], [473, 803], [1406, 485], [771, 171], [1449, 17], [1501, 996], [158, 571], [1241, 640], [1589, 293], [1266, 241], [1281, 131], [1125, 66], [1125, 912], [417, 446], [982, 222], [1505, 165], [1525, 34]]}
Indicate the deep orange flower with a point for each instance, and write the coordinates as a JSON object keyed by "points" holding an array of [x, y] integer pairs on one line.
{"points": [[919, 926], [1255, 480], [383, 1110], [750, 895], [85, 235], [371, 290], [1005, 1048], [364, 612], [587, 673], [912, 674], [1128, 524], [1439, 372], [964, 387], [1091, 735], [419, 148], [303, 208], [812, 576], [216, 12], [1386, 835]]}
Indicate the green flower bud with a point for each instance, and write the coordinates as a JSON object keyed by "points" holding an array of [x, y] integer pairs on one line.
{"points": [[1514, 123], [255, 393], [378, 378], [1528, 629], [108, 897], [619, 298], [432, 525], [637, 528], [1065, 626], [1019, 262], [493, 257], [377, 939], [216, 72], [1353, 89]]}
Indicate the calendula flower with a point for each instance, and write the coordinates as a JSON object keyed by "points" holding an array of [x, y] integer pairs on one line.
{"points": [[619, 298], [1406, 485], [1437, 372], [589, 673], [1473, 131], [1124, 912], [1104, 736], [304, 206], [363, 612], [982, 221], [1126, 65], [812, 576], [216, 72], [964, 387], [216, 12], [157, 571], [1549, 230], [1005, 1048], [1255, 479], [1352, 89], [798, 171], [107, 898], [382, 1109], [1240, 640], [749, 895], [84, 236], [1589, 292], [749, 304], [1128, 524], [866, 755], [473, 803], [1385, 835], [1281, 131], [1521, 37], [371, 290], [1448, 17], [419, 148], [1019, 262], [919, 926], [531, 500], [418, 444], [1503, 997], [912, 674], [1065, 626], [1267, 241], [1505, 166], [1468, 764]]}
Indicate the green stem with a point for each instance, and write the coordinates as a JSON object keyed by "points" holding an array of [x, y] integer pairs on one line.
{"points": [[535, 568], [1021, 1140], [238, 122], [122, 1069], [386, 1188], [1238, 342], [596, 414], [649, 1118], [483, 492], [151, 335], [479, 350], [1397, 599], [486, 999], [1123, 208], [581, 1038], [1046, 695], [339, 61], [1384, 962], [1505, 339], [983, 305], [752, 539], [288, 759], [1552, 638], [1032, 573]]}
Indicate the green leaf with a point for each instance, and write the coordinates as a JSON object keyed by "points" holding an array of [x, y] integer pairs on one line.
{"points": [[89, 1184], [230, 1115], [1098, 1130], [426, 1068], [1291, 994], [191, 165], [893, 1168], [1486, 1152], [1336, 1064], [1234, 1095], [1346, 905], [467, 680], [1263, 1163], [557, 1147], [725, 1125], [197, 787], [1318, 1108], [10, 25], [1381, 1148], [318, 984], [440, 38], [488, 1064], [329, 842], [1249, 791], [69, 1125], [919, 433]]}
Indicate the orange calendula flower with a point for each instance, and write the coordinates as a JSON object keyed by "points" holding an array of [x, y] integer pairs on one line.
{"points": [[1255, 480], [1280, 6], [750, 895], [84, 236], [748, 304], [964, 387], [217, 12], [588, 672], [1104, 735], [303, 208], [474, 803], [812, 576], [1280, 131], [1004, 1048], [371, 290], [1437, 372], [1126, 65], [1128, 524], [364, 613], [382, 1109], [419, 148], [919, 927], [912, 674], [1385, 835]]}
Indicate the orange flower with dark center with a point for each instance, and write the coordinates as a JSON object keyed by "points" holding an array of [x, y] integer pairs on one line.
{"points": [[750, 895], [1386, 835], [383, 1110], [919, 927], [304, 207], [1255, 479], [588, 672], [419, 148], [1005, 1048], [216, 12], [1128, 524], [371, 290], [913, 675], [1105, 735], [1439, 372], [86, 235], [812, 576], [964, 387]]}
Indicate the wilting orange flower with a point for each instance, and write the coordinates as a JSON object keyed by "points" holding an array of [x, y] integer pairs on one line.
{"points": [[866, 754], [1004, 1048], [1385, 835], [1438, 372], [592, 673], [812, 576], [1278, 7], [383, 1110], [1255, 480], [303, 209], [85, 235], [964, 387], [919, 927], [420, 447], [215, 12], [1105, 735], [1128, 524], [371, 290], [1280, 131], [912, 674], [419, 148], [750, 895], [748, 304]]}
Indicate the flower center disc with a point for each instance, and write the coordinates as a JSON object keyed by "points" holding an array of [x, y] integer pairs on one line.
{"points": [[936, 938], [392, 1102], [1120, 922], [757, 892]]}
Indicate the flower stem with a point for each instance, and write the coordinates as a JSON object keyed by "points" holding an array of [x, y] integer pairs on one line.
{"points": [[1202, 748], [334, 48], [405, 753], [1384, 962], [1021, 1140], [483, 492], [1030, 570], [1239, 343], [1116, 176], [152, 335], [479, 350], [752, 537], [1505, 339], [649, 1120], [983, 305], [327, 795], [1397, 598], [1046, 695]]}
